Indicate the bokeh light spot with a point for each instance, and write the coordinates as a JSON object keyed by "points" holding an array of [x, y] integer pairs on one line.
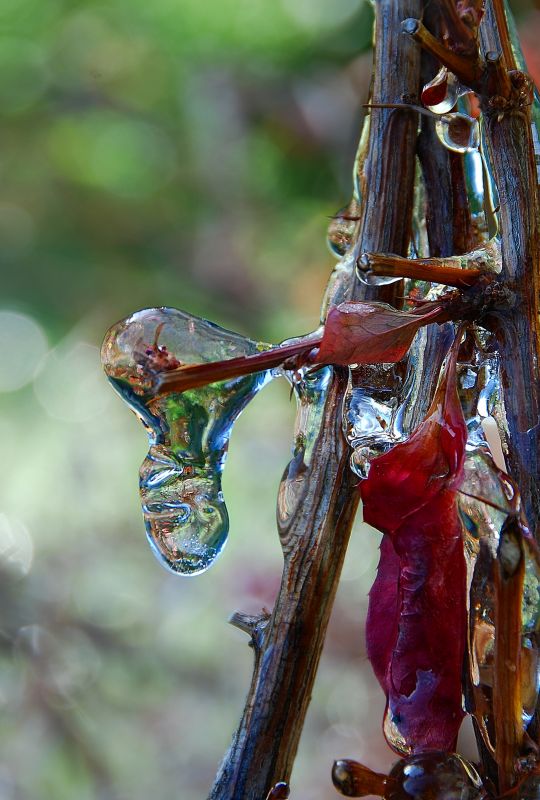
{"points": [[70, 386], [16, 546], [23, 345], [23, 74], [121, 155], [314, 15]]}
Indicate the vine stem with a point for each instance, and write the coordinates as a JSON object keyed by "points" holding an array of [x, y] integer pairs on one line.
{"points": [[316, 537], [510, 149]]}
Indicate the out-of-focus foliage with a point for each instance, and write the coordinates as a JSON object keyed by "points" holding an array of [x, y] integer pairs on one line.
{"points": [[159, 153]]}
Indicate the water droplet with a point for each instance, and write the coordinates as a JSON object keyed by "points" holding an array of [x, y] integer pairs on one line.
{"points": [[23, 346], [280, 791], [180, 479], [366, 277], [458, 132], [342, 227]]}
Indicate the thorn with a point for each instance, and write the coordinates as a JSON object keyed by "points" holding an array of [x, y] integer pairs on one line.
{"points": [[280, 791], [252, 624]]}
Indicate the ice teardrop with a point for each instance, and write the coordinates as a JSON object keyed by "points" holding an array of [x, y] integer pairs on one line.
{"points": [[180, 479], [342, 227]]}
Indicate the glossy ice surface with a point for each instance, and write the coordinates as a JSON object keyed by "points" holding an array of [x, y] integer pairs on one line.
{"points": [[433, 776], [180, 479]]}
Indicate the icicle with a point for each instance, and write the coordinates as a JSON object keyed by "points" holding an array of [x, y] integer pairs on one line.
{"points": [[370, 412], [180, 479], [310, 388]]}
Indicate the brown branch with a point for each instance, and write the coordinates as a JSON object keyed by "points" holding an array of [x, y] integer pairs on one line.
{"points": [[507, 706], [424, 269], [462, 35], [193, 376], [469, 70], [465, 236], [435, 161], [315, 537], [461, 270], [501, 24], [511, 156], [497, 78]]}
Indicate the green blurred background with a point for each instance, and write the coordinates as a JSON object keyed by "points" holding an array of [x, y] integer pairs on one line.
{"points": [[189, 154]]}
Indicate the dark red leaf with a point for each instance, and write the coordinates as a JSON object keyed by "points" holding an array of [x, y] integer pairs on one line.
{"points": [[435, 91], [382, 616], [417, 617], [369, 333]]}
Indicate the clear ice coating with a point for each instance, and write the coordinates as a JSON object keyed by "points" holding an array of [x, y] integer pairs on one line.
{"points": [[369, 413], [342, 227], [310, 388], [486, 501], [180, 479], [385, 402], [441, 94], [338, 287], [368, 278]]}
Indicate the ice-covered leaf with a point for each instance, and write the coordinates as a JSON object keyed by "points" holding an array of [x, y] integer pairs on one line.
{"points": [[417, 617], [369, 333]]}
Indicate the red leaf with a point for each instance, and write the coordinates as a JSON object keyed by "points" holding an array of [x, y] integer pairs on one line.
{"points": [[435, 91], [382, 616], [369, 333], [417, 617]]}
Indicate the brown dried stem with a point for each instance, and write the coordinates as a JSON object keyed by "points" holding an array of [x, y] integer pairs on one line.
{"points": [[511, 156], [315, 538], [462, 35], [424, 269], [469, 70], [507, 705], [194, 375]]}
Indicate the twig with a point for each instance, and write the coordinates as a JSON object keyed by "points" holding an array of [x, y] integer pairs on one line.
{"points": [[511, 155], [424, 269], [462, 36], [507, 706], [469, 70]]}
